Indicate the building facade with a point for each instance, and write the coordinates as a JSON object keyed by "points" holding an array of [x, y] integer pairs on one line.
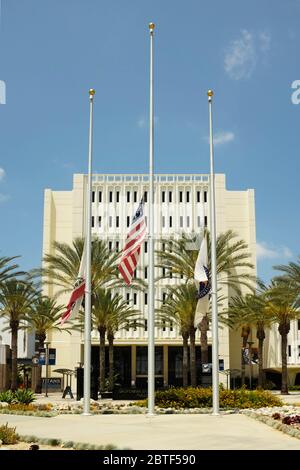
{"points": [[181, 205], [26, 344]]}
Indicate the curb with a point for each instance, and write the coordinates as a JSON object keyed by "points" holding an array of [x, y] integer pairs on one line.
{"points": [[275, 424]]}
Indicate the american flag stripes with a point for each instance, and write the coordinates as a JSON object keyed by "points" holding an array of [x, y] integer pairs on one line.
{"points": [[132, 249]]}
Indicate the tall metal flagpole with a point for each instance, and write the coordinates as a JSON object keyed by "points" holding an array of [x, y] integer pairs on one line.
{"points": [[88, 303], [151, 344], [215, 339]]}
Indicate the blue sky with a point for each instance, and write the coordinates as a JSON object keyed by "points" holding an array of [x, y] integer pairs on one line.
{"points": [[52, 52]]}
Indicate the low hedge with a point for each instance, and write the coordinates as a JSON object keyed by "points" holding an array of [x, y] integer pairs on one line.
{"points": [[190, 397]]}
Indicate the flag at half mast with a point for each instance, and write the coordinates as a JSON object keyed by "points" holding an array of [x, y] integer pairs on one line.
{"points": [[77, 295], [201, 276], [132, 248]]}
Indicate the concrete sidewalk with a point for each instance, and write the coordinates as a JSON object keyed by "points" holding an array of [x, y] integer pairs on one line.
{"points": [[162, 432], [292, 398]]}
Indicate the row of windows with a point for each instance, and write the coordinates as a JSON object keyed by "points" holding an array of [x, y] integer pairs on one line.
{"points": [[166, 196], [164, 325], [181, 220], [116, 247], [164, 221], [135, 298], [117, 196]]}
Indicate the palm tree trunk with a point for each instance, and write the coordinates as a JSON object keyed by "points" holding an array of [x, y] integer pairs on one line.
{"points": [[260, 363], [284, 329], [260, 334], [185, 360], [245, 335], [110, 338], [14, 355], [102, 359], [243, 369], [193, 358], [204, 326]]}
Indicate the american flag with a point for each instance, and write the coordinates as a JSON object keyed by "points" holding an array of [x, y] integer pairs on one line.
{"points": [[132, 249]]}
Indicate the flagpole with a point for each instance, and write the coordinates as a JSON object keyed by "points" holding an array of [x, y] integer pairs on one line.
{"points": [[88, 290], [151, 343], [215, 332]]}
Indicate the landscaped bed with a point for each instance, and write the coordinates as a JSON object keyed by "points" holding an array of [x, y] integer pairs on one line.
{"points": [[189, 398], [285, 418], [173, 400]]}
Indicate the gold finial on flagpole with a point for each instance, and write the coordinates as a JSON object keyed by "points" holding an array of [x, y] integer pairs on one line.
{"points": [[210, 94], [151, 27], [91, 93]]}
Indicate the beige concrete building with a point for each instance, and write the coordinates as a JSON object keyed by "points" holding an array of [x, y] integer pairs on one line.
{"points": [[181, 204]]}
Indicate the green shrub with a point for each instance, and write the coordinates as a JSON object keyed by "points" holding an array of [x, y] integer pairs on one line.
{"points": [[22, 395], [7, 396], [202, 398], [68, 445], [294, 387], [54, 442], [8, 435]]}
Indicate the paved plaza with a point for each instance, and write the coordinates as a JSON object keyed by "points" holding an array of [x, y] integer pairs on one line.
{"points": [[163, 432]]}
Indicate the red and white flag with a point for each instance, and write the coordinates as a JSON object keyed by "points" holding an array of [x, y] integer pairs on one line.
{"points": [[132, 249], [77, 293]]}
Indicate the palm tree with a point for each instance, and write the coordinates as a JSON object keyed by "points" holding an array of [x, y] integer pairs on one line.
{"points": [[44, 317], [100, 312], [179, 256], [61, 268], [7, 270], [179, 308], [16, 299], [245, 312], [291, 272], [109, 314], [282, 305], [119, 315]]}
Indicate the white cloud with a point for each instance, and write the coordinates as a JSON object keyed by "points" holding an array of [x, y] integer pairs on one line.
{"points": [[243, 54], [223, 137], [2, 174], [240, 57], [265, 251]]}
